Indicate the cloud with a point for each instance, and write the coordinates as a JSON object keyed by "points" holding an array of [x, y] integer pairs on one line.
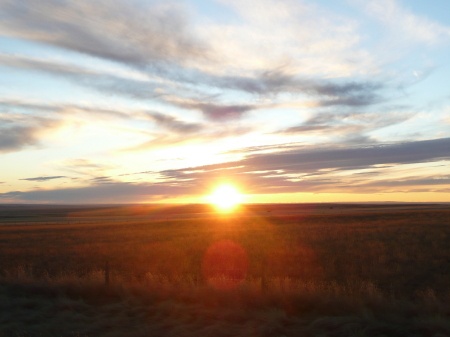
{"points": [[207, 135], [173, 124], [43, 178], [305, 128], [116, 192], [310, 38], [170, 130], [378, 118], [86, 167], [158, 36], [166, 121], [143, 89], [60, 110], [401, 153], [406, 24], [130, 32], [324, 92], [103, 180], [127, 87], [435, 180], [281, 80], [304, 169], [19, 132], [286, 171], [25, 124], [351, 126], [213, 111], [85, 163], [16, 138], [157, 40]]}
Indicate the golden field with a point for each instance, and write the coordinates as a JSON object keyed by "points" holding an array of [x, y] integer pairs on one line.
{"points": [[326, 269]]}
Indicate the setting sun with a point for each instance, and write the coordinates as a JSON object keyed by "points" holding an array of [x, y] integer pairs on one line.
{"points": [[225, 197]]}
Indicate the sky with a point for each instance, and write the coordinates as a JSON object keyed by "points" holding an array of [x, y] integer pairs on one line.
{"points": [[127, 101]]}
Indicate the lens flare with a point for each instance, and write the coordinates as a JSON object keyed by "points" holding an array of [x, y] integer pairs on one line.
{"points": [[225, 265]]}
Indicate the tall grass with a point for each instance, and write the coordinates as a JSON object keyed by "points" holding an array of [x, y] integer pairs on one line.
{"points": [[345, 275], [70, 305], [400, 253]]}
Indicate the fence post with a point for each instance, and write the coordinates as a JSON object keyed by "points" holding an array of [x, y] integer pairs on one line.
{"points": [[263, 275], [107, 272]]}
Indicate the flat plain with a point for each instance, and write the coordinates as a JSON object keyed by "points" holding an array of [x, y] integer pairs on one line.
{"points": [[262, 270]]}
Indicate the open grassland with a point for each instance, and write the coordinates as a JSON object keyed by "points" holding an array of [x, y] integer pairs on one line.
{"points": [[255, 273]]}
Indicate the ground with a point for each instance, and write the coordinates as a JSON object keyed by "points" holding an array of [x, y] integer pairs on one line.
{"points": [[266, 270]]}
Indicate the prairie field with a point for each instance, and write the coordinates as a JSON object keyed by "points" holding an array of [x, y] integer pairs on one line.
{"points": [[263, 270]]}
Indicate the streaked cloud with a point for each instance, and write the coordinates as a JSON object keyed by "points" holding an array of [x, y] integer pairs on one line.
{"points": [[165, 140], [283, 171], [45, 178], [323, 92], [403, 22], [171, 123], [348, 125], [130, 32], [342, 169], [20, 132], [102, 193]]}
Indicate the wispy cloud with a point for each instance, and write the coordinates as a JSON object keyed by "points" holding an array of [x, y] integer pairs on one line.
{"points": [[153, 35], [165, 45], [348, 125], [103, 193], [16, 106], [404, 23], [268, 83], [342, 169], [134, 33], [311, 39], [172, 123], [83, 167], [214, 111], [19, 132], [103, 82], [45, 178], [20, 129], [288, 168], [207, 135]]}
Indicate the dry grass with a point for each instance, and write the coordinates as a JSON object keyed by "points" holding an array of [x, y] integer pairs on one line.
{"points": [[338, 275], [72, 306], [400, 252]]}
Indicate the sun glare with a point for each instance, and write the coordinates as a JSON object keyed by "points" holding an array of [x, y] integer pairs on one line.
{"points": [[225, 197]]}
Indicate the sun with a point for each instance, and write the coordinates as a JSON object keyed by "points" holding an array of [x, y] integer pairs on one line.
{"points": [[225, 197]]}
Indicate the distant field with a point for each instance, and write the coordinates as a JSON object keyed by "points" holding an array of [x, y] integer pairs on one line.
{"points": [[399, 250], [339, 252]]}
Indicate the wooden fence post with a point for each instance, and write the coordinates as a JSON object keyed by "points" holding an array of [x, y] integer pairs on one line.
{"points": [[263, 275], [107, 272]]}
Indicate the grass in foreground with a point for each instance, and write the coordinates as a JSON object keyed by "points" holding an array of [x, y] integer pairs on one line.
{"points": [[155, 307], [350, 275]]}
